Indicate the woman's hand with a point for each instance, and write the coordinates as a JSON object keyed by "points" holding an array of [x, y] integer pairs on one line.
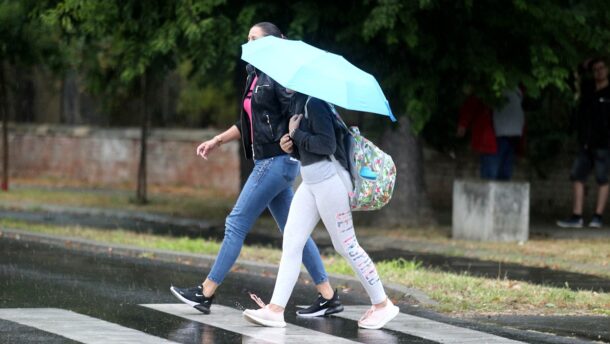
{"points": [[286, 144], [294, 122], [206, 147]]}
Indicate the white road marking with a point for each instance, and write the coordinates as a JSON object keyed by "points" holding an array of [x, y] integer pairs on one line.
{"points": [[78, 327], [429, 329], [231, 319]]}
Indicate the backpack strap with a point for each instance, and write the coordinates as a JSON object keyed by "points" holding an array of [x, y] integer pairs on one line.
{"points": [[338, 117], [307, 102], [348, 184], [339, 167]]}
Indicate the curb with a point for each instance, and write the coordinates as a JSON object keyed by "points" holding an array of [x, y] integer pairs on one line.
{"points": [[394, 291]]}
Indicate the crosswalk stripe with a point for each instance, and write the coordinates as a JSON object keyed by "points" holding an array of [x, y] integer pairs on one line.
{"points": [[78, 327], [429, 329], [231, 319]]}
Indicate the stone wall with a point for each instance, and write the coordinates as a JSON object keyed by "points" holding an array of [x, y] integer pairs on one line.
{"points": [[551, 195], [109, 157]]}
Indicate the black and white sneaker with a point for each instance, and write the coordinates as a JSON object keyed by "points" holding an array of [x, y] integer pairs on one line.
{"points": [[574, 221], [193, 297], [322, 307], [596, 221]]}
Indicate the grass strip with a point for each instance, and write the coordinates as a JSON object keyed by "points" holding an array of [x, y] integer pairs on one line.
{"points": [[590, 256], [202, 205], [458, 294]]}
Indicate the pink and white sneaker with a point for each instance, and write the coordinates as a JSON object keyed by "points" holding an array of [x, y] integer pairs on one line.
{"points": [[376, 317], [264, 316]]}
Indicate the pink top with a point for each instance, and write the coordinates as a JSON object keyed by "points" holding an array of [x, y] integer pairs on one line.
{"points": [[248, 107]]}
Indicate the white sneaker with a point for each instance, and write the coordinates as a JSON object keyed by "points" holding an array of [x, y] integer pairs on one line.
{"points": [[376, 317], [265, 317]]}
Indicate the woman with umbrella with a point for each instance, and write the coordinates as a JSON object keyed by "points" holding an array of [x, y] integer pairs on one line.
{"points": [[313, 139], [263, 122]]}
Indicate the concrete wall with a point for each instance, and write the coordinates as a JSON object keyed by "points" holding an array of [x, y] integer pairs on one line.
{"points": [[106, 157], [548, 196], [109, 157]]}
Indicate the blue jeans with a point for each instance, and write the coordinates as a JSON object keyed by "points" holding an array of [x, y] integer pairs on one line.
{"points": [[499, 166], [269, 185]]}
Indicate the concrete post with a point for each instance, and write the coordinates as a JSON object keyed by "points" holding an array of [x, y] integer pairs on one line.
{"points": [[490, 210]]}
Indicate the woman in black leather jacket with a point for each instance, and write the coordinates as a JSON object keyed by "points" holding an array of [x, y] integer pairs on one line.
{"points": [[263, 121]]}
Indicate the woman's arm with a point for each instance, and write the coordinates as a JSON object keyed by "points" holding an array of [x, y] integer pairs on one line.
{"points": [[208, 146]]}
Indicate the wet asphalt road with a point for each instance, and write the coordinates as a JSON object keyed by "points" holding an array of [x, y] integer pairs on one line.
{"points": [[109, 288], [39, 276]]}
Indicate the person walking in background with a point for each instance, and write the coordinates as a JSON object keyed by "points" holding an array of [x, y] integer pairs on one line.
{"points": [[263, 122], [314, 138], [592, 125], [496, 133]]}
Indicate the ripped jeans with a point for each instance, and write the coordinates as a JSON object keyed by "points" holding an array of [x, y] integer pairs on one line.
{"points": [[326, 200]]}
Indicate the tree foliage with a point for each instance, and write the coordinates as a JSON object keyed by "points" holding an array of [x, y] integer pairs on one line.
{"points": [[24, 42], [423, 52], [437, 47], [119, 41]]}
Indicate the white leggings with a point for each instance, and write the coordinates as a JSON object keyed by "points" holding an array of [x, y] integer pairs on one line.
{"points": [[327, 200]]}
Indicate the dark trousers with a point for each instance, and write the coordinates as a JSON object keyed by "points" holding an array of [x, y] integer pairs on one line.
{"points": [[499, 166]]}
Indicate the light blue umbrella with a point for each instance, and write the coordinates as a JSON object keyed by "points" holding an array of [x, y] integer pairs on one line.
{"points": [[306, 69]]}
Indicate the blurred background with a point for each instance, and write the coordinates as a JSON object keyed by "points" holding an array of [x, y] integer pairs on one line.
{"points": [[83, 83]]}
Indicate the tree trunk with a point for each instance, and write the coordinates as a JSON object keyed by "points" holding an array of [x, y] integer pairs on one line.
{"points": [[141, 197], [409, 205], [4, 109], [70, 99]]}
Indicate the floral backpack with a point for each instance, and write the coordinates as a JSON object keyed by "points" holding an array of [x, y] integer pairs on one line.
{"points": [[372, 170], [373, 173]]}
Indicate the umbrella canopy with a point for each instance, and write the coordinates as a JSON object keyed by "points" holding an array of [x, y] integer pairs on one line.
{"points": [[306, 69]]}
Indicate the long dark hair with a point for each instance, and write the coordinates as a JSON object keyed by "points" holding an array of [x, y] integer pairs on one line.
{"points": [[270, 29]]}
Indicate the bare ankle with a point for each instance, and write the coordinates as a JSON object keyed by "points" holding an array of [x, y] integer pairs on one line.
{"points": [[208, 288], [382, 304], [325, 290], [275, 308]]}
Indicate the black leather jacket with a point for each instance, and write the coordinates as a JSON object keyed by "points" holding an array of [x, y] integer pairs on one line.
{"points": [[271, 112]]}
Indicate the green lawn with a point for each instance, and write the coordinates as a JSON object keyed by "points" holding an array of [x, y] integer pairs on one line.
{"points": [[199, 204], [590, 256]]}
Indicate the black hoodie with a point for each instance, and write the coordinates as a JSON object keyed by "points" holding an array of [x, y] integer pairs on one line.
{"points": [[319, 135]]}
